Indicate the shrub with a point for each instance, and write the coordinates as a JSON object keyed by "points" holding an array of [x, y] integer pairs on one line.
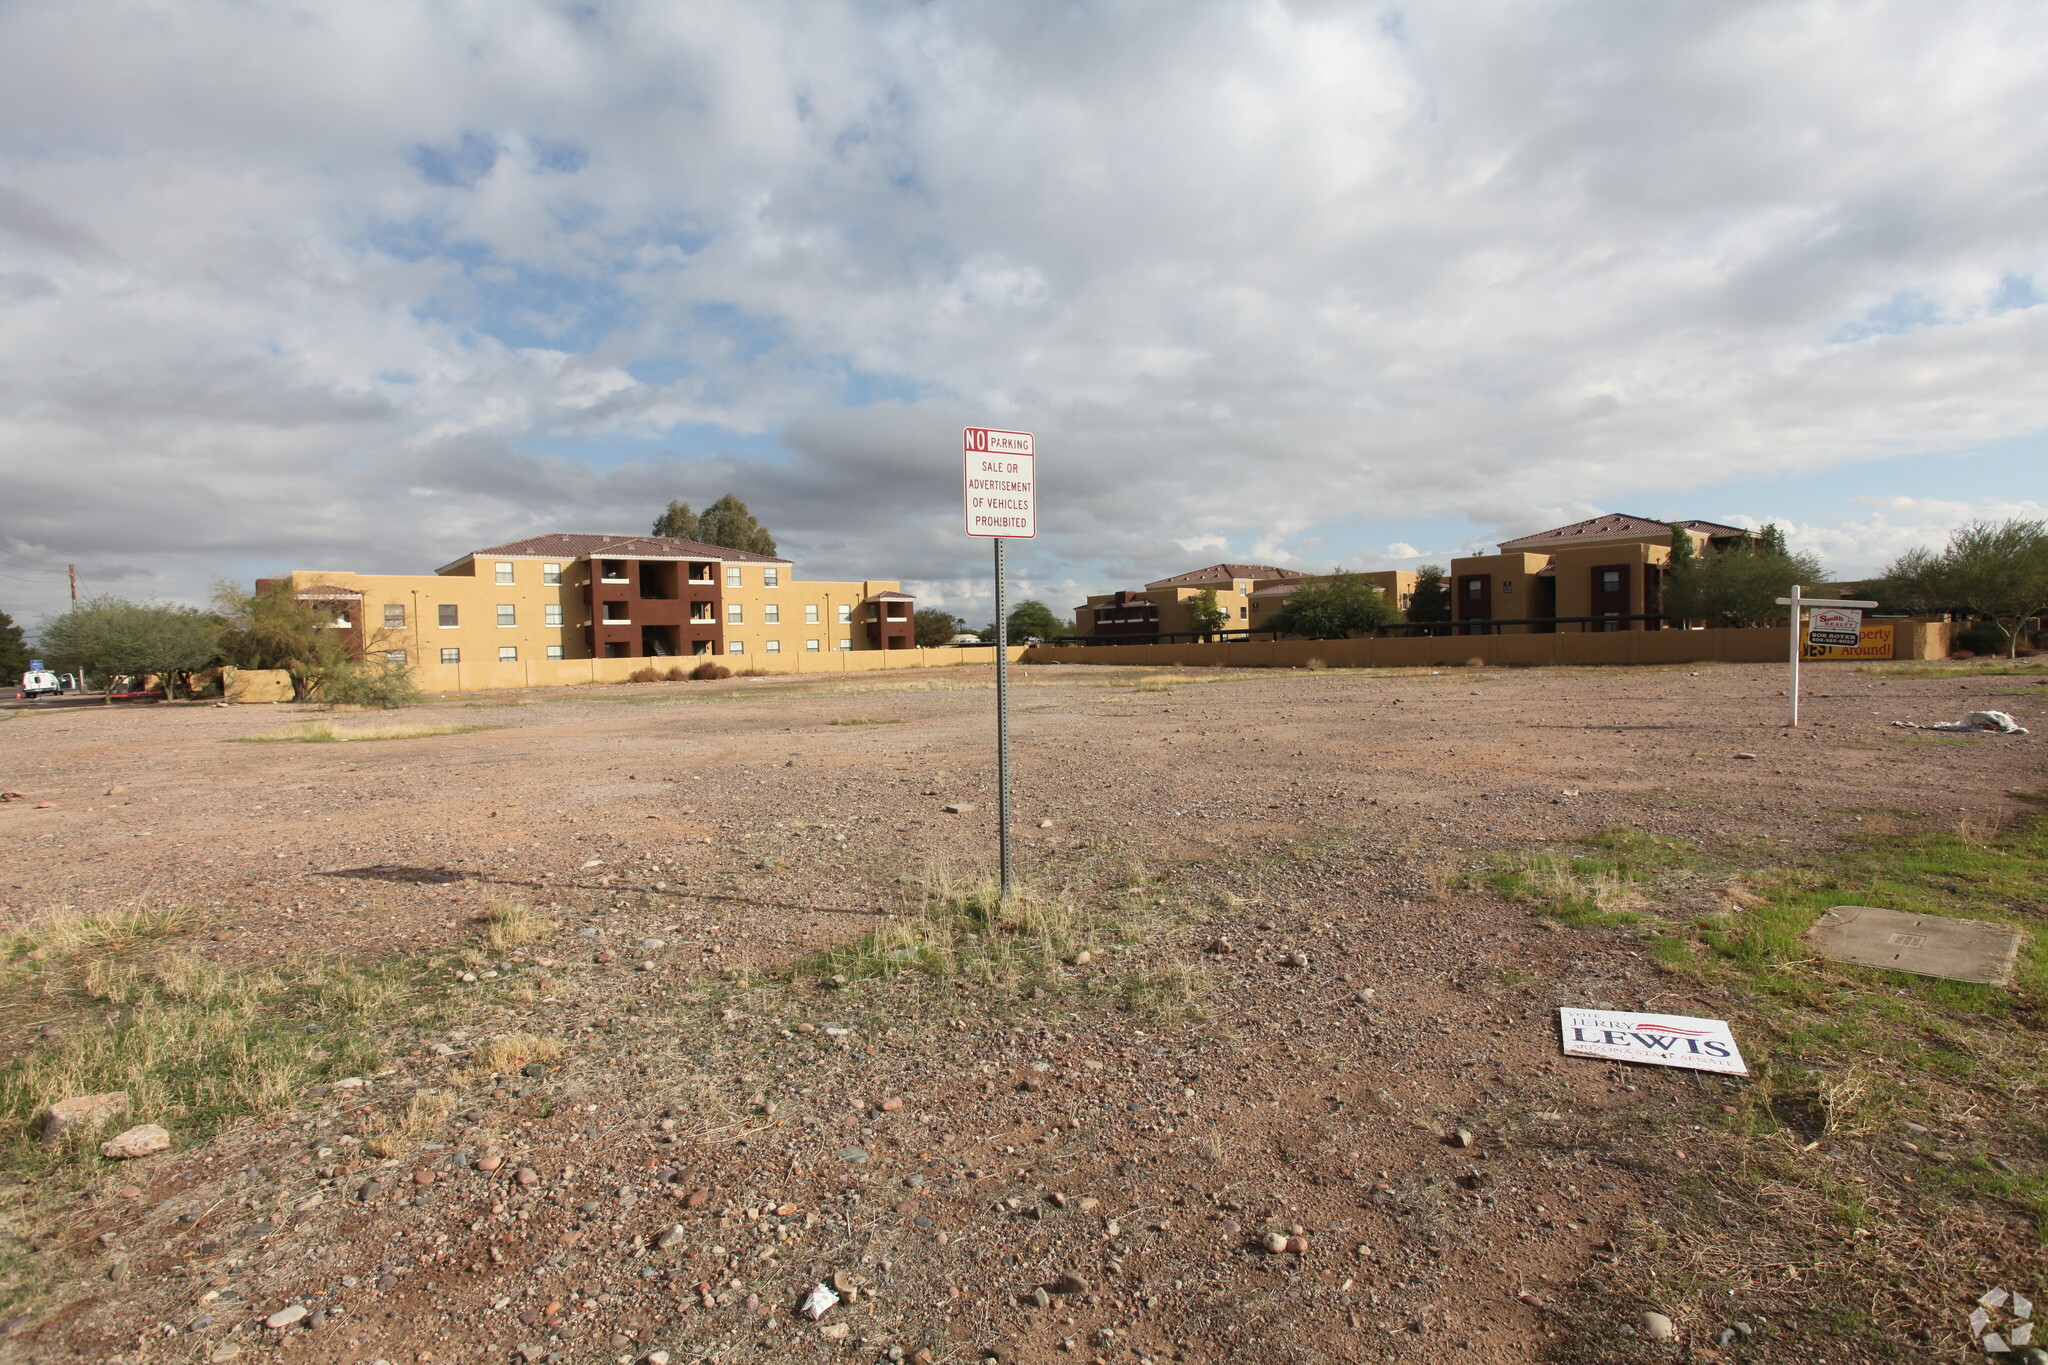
{"points": [[752, 673], [644, 675], [710, 672], [676, 673], [1982, 637], [375, 686]]}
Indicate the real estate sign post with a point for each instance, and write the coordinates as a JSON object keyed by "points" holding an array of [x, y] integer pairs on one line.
{"points": [[1000, 477], [1836, 621]]}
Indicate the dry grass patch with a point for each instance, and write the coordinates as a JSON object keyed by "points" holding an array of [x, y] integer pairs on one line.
{"points": [[327, 732], [509, 924], [507, 1052], [387, 1135]]}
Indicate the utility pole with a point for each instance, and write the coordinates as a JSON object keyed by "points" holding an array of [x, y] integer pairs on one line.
{"points": [[74, 580]]}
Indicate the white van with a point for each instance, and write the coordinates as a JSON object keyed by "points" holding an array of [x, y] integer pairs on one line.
{"points": [[40, 683]]}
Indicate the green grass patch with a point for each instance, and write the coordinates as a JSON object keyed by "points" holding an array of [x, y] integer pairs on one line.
{"points": [[326, 732], [193, 1042], [1605, 884]]}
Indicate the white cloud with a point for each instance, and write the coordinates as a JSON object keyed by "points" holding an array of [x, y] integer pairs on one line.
{"points": [[392, 281]]}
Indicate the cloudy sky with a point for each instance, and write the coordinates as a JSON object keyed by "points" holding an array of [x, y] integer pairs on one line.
{"points": [[336, 285]]}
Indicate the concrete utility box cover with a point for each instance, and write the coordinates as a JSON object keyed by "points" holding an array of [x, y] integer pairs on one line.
{"points": [[1925, 945]]}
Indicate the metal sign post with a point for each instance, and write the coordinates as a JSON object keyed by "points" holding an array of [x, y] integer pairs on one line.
{"points": [[1001, 500], [1852, 609]]}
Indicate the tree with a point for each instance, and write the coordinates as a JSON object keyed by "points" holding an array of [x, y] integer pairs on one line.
{"points": [[1997, 570], [106, 636], [1334, 608], [1683, 551], [1431, 600], [727, 522], [933, 626], [13, 650], [677, 522], [1738, 584], [1205, 618], [272, 629], [1032, 619]]}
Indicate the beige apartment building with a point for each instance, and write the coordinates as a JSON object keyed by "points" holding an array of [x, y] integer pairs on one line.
{"points": [[1161, 607], [1397, 584], [563, 597], [1605, 567]]}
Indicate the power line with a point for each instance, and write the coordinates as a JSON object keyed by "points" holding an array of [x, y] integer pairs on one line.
{"points": [[31, 559], [38, 582]]}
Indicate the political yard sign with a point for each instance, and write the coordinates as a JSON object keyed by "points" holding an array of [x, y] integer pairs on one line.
{"points": [[1657, 1039]]}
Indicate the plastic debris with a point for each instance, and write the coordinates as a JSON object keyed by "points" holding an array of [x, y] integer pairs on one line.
{"points": [[1979, 1320], [1993, 1298], [2022, 1306], [1987, 722], [820, 1301]]}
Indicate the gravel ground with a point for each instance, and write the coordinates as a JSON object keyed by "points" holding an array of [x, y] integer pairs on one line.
{"points": [[1012, 1166]]}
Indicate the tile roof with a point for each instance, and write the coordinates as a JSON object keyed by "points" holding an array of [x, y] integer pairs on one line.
{"points": [[1277, 590], [891, 597], [1612, 526], [571, 545], [1217, 573]]}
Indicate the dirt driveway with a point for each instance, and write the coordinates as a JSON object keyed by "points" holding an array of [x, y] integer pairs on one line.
{"points": [[1275, 990]]}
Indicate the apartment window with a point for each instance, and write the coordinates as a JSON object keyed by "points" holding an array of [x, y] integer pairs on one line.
{"points": [[552, 613], [772, 614], [845, 615], [773, 646], [701, 611], [1475, 588], [508, 654], [394, 616], [395, 656], [810, 646], [551, 575], [554, 651], [1610, 580], [846, 644], [1507, 587], [735, 614], [450, 618], [732, 576], [1243, 613], [736, 647], [810, 613], [771, 578], [504, 575], [508, 615], [451, 656], [341, 621]]}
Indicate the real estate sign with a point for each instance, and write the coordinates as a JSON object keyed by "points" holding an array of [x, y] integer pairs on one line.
{"points": [[1835, 627], [1877, 640]]}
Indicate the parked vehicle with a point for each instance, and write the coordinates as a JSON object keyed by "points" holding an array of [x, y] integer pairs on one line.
{"points": [[39, 682]]}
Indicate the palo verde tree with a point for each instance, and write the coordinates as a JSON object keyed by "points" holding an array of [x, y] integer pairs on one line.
{"points": [[1998, 570], [1334, 608], [1738, 584], [104, 637], [1431, 600], [273, 628], [1205, 616]]}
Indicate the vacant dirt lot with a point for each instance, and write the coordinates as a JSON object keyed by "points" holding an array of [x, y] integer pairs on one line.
{"points": [[1288, 970]]}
